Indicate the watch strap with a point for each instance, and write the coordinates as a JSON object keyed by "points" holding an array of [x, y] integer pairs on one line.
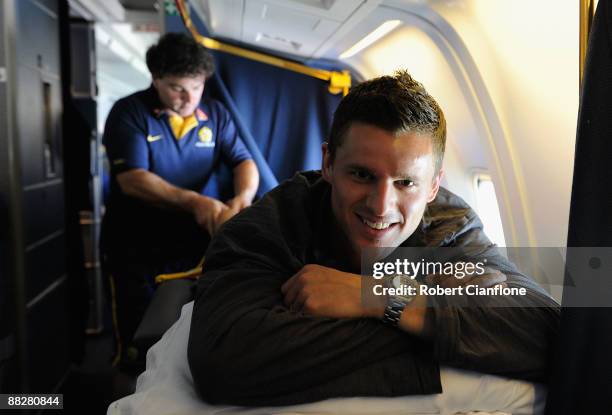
{"points": [[393, 312], [396, 305]]}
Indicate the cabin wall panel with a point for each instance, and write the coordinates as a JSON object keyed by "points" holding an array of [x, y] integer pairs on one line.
{"points": [[39, 111], [44, 265], [37, 41], [531, 73], [48, 354], [32, 200], [44, 212]]}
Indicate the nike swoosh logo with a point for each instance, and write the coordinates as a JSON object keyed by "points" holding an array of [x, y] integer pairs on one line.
{"points": [[152, 138]]}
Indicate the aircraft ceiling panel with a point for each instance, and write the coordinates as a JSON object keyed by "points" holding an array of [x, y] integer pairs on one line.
{"points": [[224, 17], [270, 25], [338, 10], [299, 27]]}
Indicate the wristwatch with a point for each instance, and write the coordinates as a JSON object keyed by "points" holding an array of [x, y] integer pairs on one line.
{"points": [[396, 303]]}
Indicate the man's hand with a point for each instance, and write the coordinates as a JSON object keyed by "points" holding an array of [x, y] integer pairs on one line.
{"points": [[226, 215], [233, 206], [325, 292], [147, 186], [239, 202], [209, 213]]}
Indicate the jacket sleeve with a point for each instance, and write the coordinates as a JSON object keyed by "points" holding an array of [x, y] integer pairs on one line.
{"points": [[503, 335], [247, 348]]}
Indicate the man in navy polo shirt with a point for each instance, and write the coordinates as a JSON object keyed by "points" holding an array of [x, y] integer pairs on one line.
{"points": [[163, 144]]}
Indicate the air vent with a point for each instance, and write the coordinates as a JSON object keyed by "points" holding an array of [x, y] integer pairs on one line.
{"points": [[319, 4], [277, 41]]}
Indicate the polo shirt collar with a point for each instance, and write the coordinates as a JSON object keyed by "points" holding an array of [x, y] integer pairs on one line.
{"points": [[156, 107]]}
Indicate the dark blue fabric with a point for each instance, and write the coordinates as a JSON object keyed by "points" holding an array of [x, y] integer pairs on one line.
{"points": [[221, 184], [287, 114]]}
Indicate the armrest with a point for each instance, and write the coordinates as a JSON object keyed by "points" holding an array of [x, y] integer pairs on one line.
{"points": [[163, 311]]}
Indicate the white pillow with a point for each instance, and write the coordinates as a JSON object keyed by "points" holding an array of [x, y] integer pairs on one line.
{"points": [[166, 387]]}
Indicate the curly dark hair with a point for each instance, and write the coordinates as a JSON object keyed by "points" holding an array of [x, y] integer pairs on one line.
{"points": [[397, 104], [178, 54]]}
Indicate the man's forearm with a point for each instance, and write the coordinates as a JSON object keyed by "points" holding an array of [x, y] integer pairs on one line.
{"points": [[255, 352], [504, 335], [461, 338], [413, 317], [246, 180], [151, 188]]}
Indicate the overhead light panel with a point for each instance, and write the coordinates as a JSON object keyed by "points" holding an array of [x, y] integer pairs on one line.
{"points": [[120, 50], [376, 34], [101, 35], [99, 11], [140, 66]]}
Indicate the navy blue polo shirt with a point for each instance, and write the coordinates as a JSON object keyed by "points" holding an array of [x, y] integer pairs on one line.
{"points": [[138, 135]]}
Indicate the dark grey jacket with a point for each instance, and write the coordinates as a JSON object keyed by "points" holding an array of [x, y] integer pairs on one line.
{"points": [[247, 348]]}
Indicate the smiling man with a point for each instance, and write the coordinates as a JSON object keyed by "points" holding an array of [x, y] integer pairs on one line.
{"points": [[279, 316], [163, 145], [383, 182]]}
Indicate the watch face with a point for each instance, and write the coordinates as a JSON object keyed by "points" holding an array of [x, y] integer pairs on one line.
{"points": [[407, 287]]}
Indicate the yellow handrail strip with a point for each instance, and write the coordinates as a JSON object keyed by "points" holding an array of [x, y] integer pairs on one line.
{"points": [[587, 12], [338, 81], [192, 274]]}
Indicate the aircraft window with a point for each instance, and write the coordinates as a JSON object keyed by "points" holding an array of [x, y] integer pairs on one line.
{"points": [[488, 209]]}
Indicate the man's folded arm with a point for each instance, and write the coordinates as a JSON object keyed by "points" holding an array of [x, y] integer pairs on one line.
{"points": [[247, 348], [508, 335], [503, 335]]}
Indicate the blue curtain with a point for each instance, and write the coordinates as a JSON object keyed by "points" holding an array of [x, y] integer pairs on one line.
{"points": [[220, 185], [283, 116], [287, 113]]}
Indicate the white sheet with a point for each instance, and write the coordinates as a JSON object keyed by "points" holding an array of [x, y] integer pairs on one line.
{"points": [[166, 387]]}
